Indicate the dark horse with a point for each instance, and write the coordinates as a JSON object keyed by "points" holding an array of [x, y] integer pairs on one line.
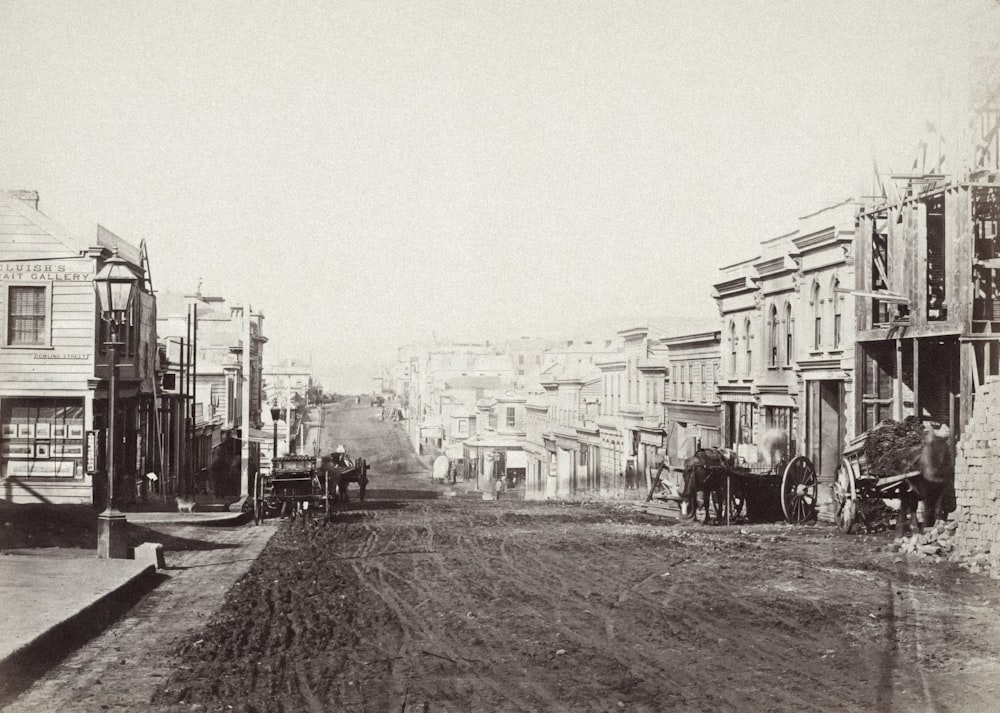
{"points": [[705, 472], [331, 470], [343, 471], [933, 485]]}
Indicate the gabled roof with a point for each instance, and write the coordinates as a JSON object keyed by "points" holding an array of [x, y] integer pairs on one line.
{"points": [[28, 234]]}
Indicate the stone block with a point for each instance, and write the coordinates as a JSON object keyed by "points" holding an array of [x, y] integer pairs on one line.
{"points": [[150, 553]]}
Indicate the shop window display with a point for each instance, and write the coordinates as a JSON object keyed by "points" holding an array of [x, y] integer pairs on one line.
{"points": [[41, 438]]}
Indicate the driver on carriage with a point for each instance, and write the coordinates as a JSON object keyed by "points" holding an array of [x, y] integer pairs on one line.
{"points": [[340, 459]]}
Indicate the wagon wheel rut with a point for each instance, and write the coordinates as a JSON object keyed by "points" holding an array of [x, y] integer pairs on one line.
{"points": [[417, 629]]}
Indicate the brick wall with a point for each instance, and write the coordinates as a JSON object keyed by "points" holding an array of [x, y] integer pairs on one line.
{"points": [[977, 479]]}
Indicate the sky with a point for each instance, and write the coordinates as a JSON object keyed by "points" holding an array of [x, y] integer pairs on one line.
{"points": [[369, 174]]}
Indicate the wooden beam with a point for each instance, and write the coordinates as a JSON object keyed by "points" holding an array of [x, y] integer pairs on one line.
{"points": [[882, 296], [897, 384]]}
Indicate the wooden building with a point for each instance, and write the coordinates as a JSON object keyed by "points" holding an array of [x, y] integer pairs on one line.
{"points": [[54, 367], [927, 301]]}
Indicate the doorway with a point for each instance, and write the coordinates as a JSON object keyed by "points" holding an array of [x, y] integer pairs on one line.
{"points": [[825, 431]]}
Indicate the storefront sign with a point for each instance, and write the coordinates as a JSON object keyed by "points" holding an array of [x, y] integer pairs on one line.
{"points": [[46, 270]]}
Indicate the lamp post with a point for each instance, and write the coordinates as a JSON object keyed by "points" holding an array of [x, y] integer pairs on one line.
{"points": [[115, 288], [275, 413]]}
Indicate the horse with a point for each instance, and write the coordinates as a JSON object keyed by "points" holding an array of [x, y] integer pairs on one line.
{"points": [[331, 471], [341, 470], [702, 473], [933, 485]]}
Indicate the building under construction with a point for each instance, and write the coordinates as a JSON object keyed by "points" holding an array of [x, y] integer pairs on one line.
{"points": [[928, 280], [928, 301]]}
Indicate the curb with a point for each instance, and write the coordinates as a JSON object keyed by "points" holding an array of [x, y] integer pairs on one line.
{"points": [[206, 519], [24, 666]]}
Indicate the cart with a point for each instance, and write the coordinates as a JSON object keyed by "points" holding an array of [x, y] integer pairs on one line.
{"points": [[344, 470], [789, 485], [856, 493], [293, 480]]}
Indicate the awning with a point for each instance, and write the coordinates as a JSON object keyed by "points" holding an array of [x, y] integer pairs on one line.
{"points": [[777, 400], [735, 398]]}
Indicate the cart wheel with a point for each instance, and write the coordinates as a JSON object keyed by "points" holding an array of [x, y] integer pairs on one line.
{"points": [[844, 498], [798, 490], [258, 502], [846, 515]]}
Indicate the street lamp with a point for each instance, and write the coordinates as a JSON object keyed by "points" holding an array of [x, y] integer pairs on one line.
{"points": [[275, 413], [115, 288]]}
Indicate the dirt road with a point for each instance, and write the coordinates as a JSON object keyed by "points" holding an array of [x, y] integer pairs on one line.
{"points": [[458, 604], [465, 605]]}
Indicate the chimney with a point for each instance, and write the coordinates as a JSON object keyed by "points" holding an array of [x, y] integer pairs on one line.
{"points": [[29, 197]]}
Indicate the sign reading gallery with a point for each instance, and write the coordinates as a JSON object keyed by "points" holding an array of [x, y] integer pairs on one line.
{"points": [[47, 270]]}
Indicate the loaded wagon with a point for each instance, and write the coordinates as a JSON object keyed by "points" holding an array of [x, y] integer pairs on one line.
{"points": [[913, 463], [787, 488]]}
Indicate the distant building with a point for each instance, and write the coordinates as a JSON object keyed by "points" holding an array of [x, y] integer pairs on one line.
{"points": [[631, 422], [212, 363], [691, 398]]}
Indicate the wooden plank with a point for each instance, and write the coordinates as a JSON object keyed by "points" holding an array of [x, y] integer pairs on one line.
{"points": [[966, 376], [11, 218], [25, 228], [862, 270], [878, 295], [897, 383], [919, 266]]}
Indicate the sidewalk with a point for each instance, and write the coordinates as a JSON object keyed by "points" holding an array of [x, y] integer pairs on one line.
{"points": [[52, 599]]}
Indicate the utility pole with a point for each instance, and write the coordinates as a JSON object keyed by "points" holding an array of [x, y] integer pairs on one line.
{"points": [[245, 406]]}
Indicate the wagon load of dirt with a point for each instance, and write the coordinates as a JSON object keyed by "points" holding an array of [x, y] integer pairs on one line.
{"points": [[889, 447]]}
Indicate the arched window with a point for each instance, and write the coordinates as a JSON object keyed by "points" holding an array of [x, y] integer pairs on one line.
{"points": [[749, 351], [836, 299], [773, 338], [789, 338], [732, 349], [817, 307]]}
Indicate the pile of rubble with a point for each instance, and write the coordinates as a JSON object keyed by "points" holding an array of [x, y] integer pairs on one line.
{"points": [[938, 543]]}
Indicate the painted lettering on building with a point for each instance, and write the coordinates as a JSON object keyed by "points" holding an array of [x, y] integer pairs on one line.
{"points": [[25, 271]]}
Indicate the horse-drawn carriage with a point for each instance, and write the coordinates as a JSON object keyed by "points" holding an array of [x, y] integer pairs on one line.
{"points": [[343, 470], [729, 486], [297, 484], [921, 470], [294, 485]]}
